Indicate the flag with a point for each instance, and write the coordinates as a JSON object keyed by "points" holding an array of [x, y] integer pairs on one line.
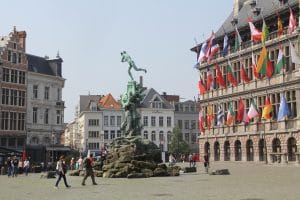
{"points": [[292, 22], [201, 87], [262, 61], [253, 112], [202, 52], [238, 40], [215, 48], [265, 32], [267, 110], [201, 121], [280, 62], [220, 80], [230, 115], [244, 74], [283, 109], [270, 68], [225, 45], [255, 34], [294, 55], [230, 76], [209, 81], [254, 67], [280, 27], [220, 116], [241, 110], [209, 43], [209, 115]]}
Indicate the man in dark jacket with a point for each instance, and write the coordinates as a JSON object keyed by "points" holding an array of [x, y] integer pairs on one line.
{"points": [[88, 164]]}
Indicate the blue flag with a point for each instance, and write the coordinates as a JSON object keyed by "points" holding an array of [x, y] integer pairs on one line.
{"points": [[283, 109], [225, 46]]}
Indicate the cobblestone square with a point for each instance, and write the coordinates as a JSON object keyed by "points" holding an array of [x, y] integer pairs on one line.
{"points": [[247, 181]]}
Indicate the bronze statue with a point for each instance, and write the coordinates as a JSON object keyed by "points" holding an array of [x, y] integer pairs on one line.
{"points": [[127, 58], [131, 101]]}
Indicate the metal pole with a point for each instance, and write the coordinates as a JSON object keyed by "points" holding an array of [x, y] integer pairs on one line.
{"points": [[52, 145], [266, 153]]}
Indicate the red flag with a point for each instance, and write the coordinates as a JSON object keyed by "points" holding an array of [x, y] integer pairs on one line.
{"points": [[210, 115], [292, 22], [244, 75], [220, 78], [209, 81], [201, 87], [241, 110], [270, 69]]}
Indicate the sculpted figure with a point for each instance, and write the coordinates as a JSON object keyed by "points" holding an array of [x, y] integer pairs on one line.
{"points": [[127, 58]]}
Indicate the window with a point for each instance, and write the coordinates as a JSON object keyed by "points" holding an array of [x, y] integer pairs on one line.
{"points": [[13, 97], [4, 120], [14, 45], [236, 68], [93, 122], [275, 101], [5, 76], [11, 142], [291, 101], [119, 119], [179, 124], [112, 135], [152, 121], [145, 121], [13, 121], [146, 135], [248, 68], [105, 120], [186, 124], [14, 58], [46, 117], [3, 142], [46, 95], [161, 121], [35, 91], [193, 124], [169, 122], [19, 58], [9, 56], [21, 77], [112, 120], [153, 136], [93, 134], [21, 98], [161, 136], [58, 94], [187, 137], [118, 134], [58, 117], [105, 135], [14, 76], [194, 138], [21, 121], [34, 115], [5, 96]]}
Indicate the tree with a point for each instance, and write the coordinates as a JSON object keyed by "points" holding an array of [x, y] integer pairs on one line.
{"points": [[177, 145]]}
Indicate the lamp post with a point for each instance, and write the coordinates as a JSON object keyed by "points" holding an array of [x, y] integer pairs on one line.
{"points": [[52, 134]]}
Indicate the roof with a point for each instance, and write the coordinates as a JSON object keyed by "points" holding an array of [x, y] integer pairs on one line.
{"points": [[268, 8], [84, 101], [108, 101], [151, 95], [39, 65]]}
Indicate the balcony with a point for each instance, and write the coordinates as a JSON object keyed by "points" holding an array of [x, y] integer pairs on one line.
{"points": [[60, 104]]}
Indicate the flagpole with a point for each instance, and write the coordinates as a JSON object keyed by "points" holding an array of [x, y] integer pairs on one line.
{"points": [[265, 140]]}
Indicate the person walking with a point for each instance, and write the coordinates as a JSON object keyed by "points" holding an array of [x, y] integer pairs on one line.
{"points": [[26, 166], [191, 160], [9, 167], [15, 163], [88, 164], [61, 167], [206, 162]]}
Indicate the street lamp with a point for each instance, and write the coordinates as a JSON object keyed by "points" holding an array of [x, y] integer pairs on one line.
{"points": [[52, 134]]}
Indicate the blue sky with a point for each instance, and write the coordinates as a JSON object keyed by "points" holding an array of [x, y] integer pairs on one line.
{"points": [[91, 34]]}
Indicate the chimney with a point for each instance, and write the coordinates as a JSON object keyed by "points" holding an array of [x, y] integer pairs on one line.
{"points": [[141, 81], [22, 39]]}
